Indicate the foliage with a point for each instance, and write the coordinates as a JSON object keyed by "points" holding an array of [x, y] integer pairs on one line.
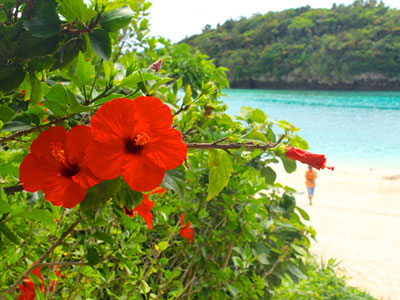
{"points": [[322, 283], [62, 60], [354, 46]]}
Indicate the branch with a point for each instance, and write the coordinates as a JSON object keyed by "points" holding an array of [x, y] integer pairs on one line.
{"points": [[63, 263], [246, 145], [183, 108], [11, 190], [13, 287], [228, 255], [33, 129]]}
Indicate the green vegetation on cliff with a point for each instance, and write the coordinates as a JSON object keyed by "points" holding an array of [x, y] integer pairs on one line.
{"points": [[350, 47]]}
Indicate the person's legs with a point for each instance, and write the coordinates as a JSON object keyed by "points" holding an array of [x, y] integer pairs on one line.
{"points": [[310, 194]]}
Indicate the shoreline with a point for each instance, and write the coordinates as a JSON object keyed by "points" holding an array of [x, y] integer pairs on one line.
{"points": [[356, 214]]}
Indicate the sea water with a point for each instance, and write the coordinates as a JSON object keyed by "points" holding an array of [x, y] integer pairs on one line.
{"points": [[357, 128]]}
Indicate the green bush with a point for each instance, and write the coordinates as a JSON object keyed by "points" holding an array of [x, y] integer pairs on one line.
{"points": [[321, 283]]}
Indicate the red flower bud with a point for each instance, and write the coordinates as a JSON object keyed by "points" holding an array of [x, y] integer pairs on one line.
{"points": [[315, 160], [156, 66]]}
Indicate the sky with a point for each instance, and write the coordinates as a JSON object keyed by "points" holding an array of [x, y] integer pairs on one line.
{"points": [[176, 19]]}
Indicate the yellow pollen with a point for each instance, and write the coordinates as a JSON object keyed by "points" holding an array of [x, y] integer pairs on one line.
{"points": [[141, 139], [58, 152]]}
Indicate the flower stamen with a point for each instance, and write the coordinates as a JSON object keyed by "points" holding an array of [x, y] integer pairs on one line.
{"points": [[135, 145]]}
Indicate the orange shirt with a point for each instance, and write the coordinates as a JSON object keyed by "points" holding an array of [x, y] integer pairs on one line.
{"points": [[311, 175]]}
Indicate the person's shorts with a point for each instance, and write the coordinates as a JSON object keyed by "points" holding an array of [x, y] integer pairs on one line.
{"points": [[311, 191]]}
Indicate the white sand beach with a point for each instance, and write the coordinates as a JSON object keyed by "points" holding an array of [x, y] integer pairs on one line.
{"points": [[356, 215]]}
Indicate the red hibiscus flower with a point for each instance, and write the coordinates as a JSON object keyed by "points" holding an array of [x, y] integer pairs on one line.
{"points": [[134, 138], [186, 231], [315, 160], [144, 210], [27, 289], [57, 165]]}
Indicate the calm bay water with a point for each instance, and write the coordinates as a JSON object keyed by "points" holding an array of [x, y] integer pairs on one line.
{"points": [[357, 128]]}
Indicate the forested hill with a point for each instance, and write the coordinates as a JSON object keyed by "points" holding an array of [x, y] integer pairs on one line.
{"points": [[345, 47]]}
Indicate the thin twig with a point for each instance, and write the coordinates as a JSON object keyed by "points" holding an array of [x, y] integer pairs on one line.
{"points": [[13, 287], [246, 145], [228, 255], [148, 93], [221, 140], [95, 78], [33, 129], [63, 263], [183, 108]]}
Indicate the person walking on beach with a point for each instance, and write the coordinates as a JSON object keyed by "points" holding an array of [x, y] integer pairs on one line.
{"points": [[311, 175]]}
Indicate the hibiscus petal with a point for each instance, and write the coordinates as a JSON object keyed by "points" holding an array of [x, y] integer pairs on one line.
{"points": [[77, 140], [106, 159], [33, 173], [85, 177], [62, 191], [152, 114], [142, 174], [42, 145], [166, 150], [113, 119], [144, 210]]}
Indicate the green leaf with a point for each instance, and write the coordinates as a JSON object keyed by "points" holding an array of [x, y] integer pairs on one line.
{"points": [[75, 9], [6, 113], [20, 122], [176, 85], [41, 215], [9, 234], [58, 93], [303, 213], [289, 164], [175, 180], [203, 214], [108, 98], [99, 194], [36, 90], [188, 96], [298, 142], [269, 175], [4, 207], [299, 250], [221, 169], [45, 23], [128, 197], [287, 126], [258, 116], [163, 245], [67, 52], [101, 43], [116, 19], [56, 108], [104, 237], [93, 256], [62, 101], [11, 76], [84, 70], [255, 135], [296, 271], [34, 47]]}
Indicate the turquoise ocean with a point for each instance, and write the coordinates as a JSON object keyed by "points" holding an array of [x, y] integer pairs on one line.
{"points": [[355, 128]]}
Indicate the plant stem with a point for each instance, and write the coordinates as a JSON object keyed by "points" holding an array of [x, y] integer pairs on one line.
{"points": [[247, 145], [33, 129]]}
